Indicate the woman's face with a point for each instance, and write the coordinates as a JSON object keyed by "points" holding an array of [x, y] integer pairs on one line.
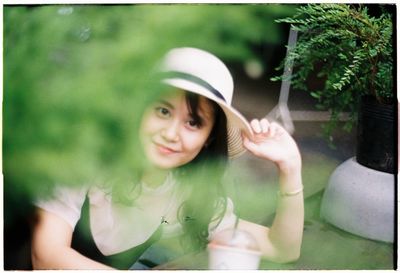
{"points": [[169, 134]]}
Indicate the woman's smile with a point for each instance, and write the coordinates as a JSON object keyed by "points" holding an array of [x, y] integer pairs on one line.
{"points": [[164, 149]]}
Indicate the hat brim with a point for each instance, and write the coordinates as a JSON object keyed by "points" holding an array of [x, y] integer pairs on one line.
{"points": [[237, 123]]}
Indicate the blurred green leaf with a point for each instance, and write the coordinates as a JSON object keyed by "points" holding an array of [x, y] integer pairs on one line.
{"points": [[76, 78]]}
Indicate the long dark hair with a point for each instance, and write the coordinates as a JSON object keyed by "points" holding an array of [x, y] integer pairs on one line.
{"points": [[203, 175]]}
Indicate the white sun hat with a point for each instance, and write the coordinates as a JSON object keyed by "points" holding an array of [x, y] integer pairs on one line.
{"points": [[200, 72]]}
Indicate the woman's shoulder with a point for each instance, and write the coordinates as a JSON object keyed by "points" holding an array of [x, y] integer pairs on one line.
{"points": [[65, 201]]}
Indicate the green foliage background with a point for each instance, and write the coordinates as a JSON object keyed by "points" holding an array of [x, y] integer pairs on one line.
{"points": [[75, 77], [348, 47]]}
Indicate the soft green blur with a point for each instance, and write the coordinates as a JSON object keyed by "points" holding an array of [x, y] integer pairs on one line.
{"points": [[76, 79]]}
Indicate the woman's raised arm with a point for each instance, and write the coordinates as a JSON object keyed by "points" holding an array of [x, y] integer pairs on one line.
{"points": [[282, 241]]}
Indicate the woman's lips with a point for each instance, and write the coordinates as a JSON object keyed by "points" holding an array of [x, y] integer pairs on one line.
{"points": [[164, 149]]}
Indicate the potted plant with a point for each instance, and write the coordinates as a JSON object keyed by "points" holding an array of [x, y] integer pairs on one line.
{"points": [[349, 48], [351, 51]]}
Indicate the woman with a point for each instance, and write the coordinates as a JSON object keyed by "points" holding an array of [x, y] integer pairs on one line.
{"points": [[179, 193]]}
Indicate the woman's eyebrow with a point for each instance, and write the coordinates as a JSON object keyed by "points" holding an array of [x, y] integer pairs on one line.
{"points": [[166, 103]]}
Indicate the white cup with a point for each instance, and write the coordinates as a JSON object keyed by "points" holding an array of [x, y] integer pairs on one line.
{"points": [[223, 257]]}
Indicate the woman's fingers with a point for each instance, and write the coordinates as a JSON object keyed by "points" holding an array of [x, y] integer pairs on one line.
{"points": [[251, 146], [260, 126], [274, 128], [264, 124], [270, 141], [264, 128], [256, 126]]}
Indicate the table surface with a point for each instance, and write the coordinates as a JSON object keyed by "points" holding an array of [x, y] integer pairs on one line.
{"points": [[323, 248], [199, 261]]}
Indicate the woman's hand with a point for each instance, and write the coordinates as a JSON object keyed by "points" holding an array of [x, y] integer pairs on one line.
{"points": [[272, 142]]}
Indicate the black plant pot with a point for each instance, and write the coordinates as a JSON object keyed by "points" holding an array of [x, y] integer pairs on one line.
{"points": [[375, 135]]}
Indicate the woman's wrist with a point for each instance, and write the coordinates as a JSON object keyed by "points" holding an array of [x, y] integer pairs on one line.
{"points": [[290, 175], [290, 165], [291, 193]]}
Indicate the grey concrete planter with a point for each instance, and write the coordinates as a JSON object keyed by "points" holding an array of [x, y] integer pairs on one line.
{"points": [[360, 200]]}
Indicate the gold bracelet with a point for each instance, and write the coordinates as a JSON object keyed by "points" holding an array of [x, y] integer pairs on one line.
{"points": [[291, 193]]}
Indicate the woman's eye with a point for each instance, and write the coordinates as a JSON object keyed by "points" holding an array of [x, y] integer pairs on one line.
{"points": [[194, 123], [163, 112]]}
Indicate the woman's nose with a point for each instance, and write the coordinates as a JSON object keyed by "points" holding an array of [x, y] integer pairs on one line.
{"points": [[171, 131]]}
